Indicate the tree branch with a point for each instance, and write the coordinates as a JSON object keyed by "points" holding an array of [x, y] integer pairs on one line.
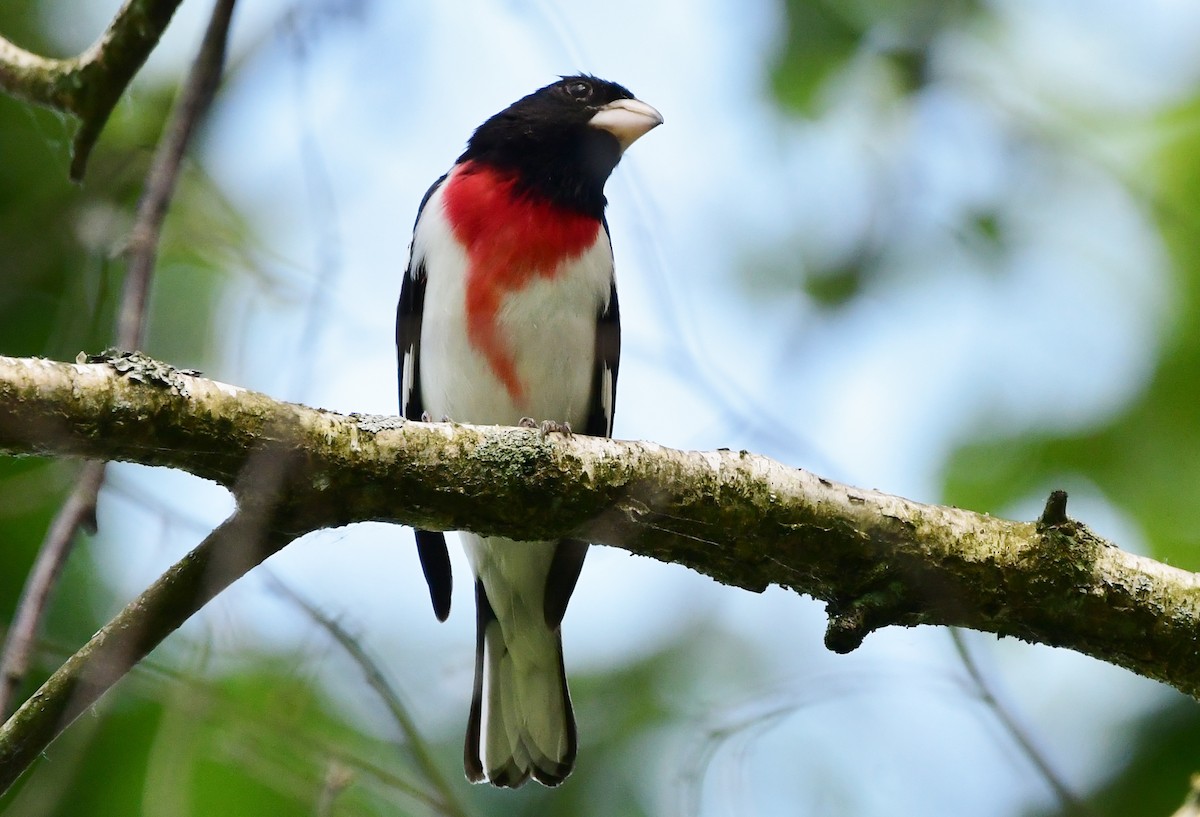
{"points": [[88, 85], [745, 520]]}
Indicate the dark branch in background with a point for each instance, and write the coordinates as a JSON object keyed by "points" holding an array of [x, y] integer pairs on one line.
{"points": [[79, 511], [876, 560], [79, 508], [88, 86], [1072, 806], [193, 103]]}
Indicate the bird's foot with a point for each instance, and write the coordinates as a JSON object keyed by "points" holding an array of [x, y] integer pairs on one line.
{"points": [[546, 427]]}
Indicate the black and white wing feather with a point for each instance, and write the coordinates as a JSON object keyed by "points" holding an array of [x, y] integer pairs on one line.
{"points": [[431, 545]]}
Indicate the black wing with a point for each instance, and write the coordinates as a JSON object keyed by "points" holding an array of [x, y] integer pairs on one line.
{"points": [[431, 545], [604, 376], [568, 557]]}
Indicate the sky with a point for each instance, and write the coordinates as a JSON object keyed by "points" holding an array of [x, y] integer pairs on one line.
{"points": [[330, 135]]}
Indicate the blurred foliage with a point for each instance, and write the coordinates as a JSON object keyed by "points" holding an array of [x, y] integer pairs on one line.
{"points": [[827, 41], [824, 36], [1144, 458], [261, 736], [831, 287], [259, 741], [1161, 759], [61, 264], [821, 37], [265, 739]]}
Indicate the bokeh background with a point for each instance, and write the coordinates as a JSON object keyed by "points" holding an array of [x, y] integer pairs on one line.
{"points": [[944, 249]]}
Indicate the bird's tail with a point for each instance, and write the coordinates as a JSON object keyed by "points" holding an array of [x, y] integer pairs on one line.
{"points": [[521, 723]]}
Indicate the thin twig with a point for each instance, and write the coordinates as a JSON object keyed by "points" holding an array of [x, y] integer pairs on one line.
{"points": [[78, 511], [193, 102], [378, 681], [1070, 802]]}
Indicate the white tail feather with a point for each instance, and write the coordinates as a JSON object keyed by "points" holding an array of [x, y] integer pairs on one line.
{"points": [[522, 724]]}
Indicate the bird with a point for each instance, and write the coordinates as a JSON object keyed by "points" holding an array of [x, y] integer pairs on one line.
{"points": [[508, 315]]}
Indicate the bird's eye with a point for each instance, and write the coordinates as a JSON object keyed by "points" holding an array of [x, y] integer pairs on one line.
{"points": [[580, 90]]}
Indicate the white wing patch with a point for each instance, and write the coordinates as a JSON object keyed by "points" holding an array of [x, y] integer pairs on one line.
{"points": [[406, 376], [607, 391]]}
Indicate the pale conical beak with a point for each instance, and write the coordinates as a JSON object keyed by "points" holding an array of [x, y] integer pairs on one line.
{"points": [[626, 119]]}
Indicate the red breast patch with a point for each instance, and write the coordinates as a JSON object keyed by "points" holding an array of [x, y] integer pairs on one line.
{"points": [[510, 238]]}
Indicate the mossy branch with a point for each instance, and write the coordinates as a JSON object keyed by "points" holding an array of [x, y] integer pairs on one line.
{"points": [[745, 520], [88, 86]]}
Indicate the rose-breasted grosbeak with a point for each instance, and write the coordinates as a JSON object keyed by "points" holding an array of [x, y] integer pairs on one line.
{"points": [[508, 311]]}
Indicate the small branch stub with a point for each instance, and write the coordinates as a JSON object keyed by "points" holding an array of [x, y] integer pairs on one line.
{"points": [[1055, 512], [846, 629], [851, 622]]}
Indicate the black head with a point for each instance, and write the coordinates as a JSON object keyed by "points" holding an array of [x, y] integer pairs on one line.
{"points": [[563, 141]]}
